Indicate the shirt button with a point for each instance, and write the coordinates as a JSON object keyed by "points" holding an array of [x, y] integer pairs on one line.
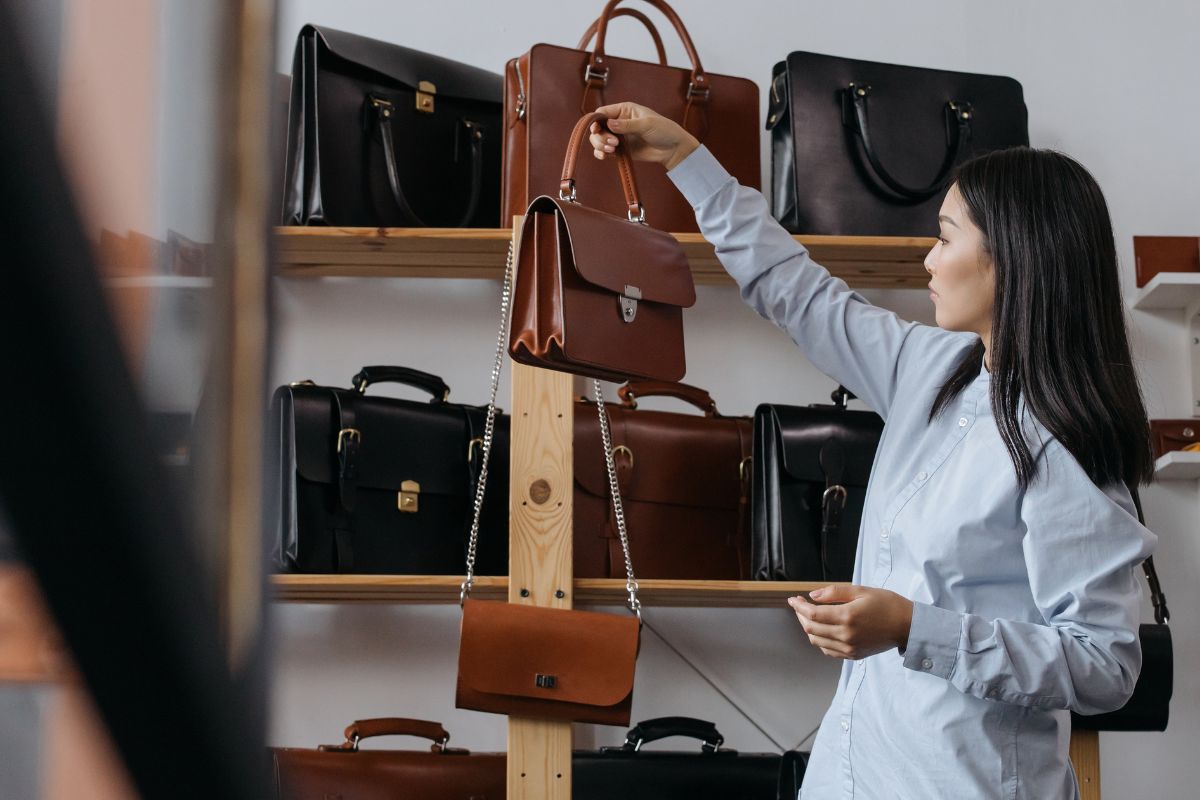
{"points": [[884, 536], [962, 422], [845, 725], [993, 693], [922, 476], [926, 663]]}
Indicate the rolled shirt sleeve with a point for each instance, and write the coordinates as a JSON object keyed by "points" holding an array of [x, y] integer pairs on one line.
{"points": [[846, 337], [1083, 548]]}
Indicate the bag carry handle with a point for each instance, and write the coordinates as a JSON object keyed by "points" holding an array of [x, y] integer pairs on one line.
{"points": [[596, 73], [391, 726], [651, 730], [566, 188], [958, 114], [590, 33], [630, 392], [381, 111], [405, 375]]}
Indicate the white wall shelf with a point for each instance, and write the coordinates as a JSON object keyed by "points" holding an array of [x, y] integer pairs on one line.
{"points": [[1169, 290], [1177, 465]]}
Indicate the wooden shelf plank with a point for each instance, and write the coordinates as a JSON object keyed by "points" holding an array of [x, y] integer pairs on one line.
{"points": [[864, 262], [1168, 290], [588, 591], [1177, 465]]}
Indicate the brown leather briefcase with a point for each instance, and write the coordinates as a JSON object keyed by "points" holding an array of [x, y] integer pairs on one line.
{"points": [[685, 485], [442, 773], [547, 89], [1167, 435]]}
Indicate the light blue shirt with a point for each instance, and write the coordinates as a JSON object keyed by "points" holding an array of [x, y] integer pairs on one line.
{"points": [[1025, 603]]}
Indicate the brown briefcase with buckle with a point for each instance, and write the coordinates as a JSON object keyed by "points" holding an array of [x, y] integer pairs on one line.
{"points": [[685, 484]]}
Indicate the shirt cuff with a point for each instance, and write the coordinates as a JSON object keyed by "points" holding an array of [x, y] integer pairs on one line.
{"points": [[699, 176], [933, 640]]}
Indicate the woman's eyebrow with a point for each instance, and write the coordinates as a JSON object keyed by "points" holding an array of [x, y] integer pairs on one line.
{"points": [[944, 218]]}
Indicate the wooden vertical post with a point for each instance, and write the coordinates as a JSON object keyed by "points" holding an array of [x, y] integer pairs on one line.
{"points": [[539, 555], [1085, 758]]}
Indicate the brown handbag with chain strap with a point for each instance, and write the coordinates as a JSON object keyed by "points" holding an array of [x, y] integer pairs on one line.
{"points": [[550, 86], [538, 662]]}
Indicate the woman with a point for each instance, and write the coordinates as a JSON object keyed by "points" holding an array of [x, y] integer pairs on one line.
{"points": [[994, 585]]}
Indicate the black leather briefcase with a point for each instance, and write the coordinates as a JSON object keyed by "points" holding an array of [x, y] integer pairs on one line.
{"points": [[712, 773], [863, 148], [811, 467], [381, 485], [381, 135]]}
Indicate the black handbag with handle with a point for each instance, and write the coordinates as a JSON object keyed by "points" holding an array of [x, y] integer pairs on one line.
{"points": [[381, 135], [711, 773], [382, 485], [1148, 709], [863, 148], [811, 467]]}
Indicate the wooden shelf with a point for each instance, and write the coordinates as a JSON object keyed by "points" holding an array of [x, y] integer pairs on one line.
{"points": [[1168, 290], [864, 262], [1177, 465], [588, 591]]}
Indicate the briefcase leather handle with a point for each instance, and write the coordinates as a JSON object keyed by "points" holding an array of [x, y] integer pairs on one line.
{"points": [[590, 33], [392, 726], [404, 375], [630, 392], [596, 75], [958, 115], [652, 730], [579, 135]]}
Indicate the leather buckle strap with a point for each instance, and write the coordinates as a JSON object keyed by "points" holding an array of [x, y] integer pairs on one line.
{"points": [[349, 440], [595, 78]]}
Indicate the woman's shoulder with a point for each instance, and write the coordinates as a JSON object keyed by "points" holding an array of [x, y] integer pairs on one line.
{"points": [[931, 353]]}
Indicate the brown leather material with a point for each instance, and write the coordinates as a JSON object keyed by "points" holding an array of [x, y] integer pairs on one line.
{"points": [[721, 111], [683, 488], [579, 134], [448, 774], [630, 392], [1155, 254], [547, 663], [590, 33], [1167, 435], [572, 267]]}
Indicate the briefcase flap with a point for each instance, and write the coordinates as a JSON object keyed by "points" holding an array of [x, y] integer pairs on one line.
{"points": [[400, 440], [677, 459], [410, 67], [303, 774], [803, 432], [615, 254], [547, 654]]}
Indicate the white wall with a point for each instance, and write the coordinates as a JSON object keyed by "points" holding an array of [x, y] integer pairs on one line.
{"points": [[1113, 84]]}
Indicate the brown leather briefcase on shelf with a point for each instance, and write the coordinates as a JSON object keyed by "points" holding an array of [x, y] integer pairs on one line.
{"points": [[548, 88], [685, 485], [441, 773], [596, 294], [1173, 434]]}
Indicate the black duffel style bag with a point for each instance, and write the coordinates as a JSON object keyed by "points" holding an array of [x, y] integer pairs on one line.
{"points": [[710, 772], [384, 136], [860, 148], [381, 485], [811, 466]]}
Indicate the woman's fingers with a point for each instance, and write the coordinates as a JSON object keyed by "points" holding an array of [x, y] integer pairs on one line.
{"points": [[830, 647], [822, 629]]}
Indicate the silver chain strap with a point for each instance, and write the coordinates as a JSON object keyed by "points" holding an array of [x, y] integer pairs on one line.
{"points": [[631, 586], [614, 489]]}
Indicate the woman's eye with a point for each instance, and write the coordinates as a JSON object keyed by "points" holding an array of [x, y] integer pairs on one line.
{"points": [[943, 240]]}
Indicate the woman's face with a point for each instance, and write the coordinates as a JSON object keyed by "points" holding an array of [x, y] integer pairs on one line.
{"points": [[963, 284]]}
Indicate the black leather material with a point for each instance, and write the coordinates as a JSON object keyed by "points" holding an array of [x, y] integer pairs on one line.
{"points": [[340, 507], [876, 159], [803, 528], [705, 773], [359, 151]]}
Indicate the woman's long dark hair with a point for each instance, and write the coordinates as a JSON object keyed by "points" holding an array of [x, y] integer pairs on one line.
{"points": [[1058, 324]]}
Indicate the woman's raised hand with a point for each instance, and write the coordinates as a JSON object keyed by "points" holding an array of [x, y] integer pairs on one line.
{"points": [[648, 136]]}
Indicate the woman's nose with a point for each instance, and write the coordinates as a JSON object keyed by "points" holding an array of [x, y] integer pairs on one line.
{"points": [[928, 262]]}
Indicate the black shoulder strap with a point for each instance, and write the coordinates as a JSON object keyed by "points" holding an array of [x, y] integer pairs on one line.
{"points": [[1157, 598]]}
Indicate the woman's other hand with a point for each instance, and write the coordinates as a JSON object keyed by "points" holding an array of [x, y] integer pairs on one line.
{"points": [[866, 621], [649, 136]]}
